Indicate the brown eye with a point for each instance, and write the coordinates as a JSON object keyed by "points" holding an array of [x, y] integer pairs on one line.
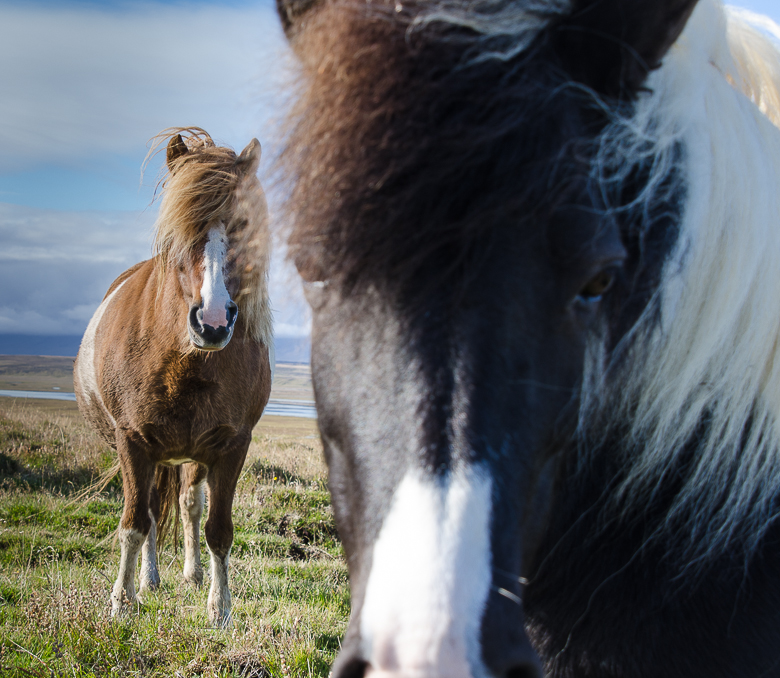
{"points": [[597, 286]]}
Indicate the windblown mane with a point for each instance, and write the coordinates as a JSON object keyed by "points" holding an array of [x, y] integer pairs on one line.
{"points": [[701, 383], [201, 188], [391, 160]]}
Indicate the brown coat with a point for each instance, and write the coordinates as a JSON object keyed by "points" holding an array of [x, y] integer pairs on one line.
{"points": [[175, 367]]}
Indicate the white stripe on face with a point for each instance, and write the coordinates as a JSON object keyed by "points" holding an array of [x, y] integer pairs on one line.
{"points": [[214, 292], [430, 579]]}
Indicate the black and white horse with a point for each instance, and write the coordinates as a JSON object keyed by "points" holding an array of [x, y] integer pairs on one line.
{"points": [[541, 243]]}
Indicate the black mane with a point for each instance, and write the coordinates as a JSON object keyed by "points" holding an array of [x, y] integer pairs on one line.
{"points": [[419, 148]]}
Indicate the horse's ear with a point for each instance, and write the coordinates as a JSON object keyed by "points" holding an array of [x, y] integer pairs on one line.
{"points": [[612, 45], [291, 12], [176, 149], [250, 157]]}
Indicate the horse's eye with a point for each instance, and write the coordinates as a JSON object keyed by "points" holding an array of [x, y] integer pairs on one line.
{"points": [[598, 285]]}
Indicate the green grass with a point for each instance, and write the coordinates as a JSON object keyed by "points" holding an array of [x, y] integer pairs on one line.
{"points": [[58, 559]]}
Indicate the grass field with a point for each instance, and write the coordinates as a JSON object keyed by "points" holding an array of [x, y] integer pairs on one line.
{"points": [[58, 559]]}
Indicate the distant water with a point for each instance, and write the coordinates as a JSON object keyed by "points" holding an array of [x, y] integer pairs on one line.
{"points": [[291, 408], [281, 408], [288, 349], [40, 395]]}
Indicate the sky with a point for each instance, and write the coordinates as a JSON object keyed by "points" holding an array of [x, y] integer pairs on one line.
{"points": [[83, 86]]}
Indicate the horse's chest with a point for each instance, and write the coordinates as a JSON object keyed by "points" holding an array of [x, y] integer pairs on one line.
{"points": [[187, 389], [179, 441], [187, 418]]}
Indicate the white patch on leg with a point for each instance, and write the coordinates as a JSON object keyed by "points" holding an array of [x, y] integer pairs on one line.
{"points": [[214, 293], [219, 594], [150, 576], [123, 593], [86, 363], [430, 578], [191, 505]]}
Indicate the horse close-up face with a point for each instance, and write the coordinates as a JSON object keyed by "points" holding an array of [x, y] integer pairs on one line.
{"points": [[443, 384], [439, 418], [503, 217], [208, 285]]}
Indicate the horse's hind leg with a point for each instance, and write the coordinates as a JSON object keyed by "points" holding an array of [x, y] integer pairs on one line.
{"points": [[137, 478], [191, 506], [222, 479], [150, 576]]}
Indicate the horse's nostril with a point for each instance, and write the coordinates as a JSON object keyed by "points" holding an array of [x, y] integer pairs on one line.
{"points": [[195, 316], [232, 312], [355, 668], [524, 671]]}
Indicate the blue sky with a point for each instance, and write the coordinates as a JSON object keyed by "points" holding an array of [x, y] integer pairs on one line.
{"points": [[83, 86], [87, 83]]}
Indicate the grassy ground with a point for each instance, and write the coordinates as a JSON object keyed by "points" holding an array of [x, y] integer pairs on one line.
{"points": [[58, 559]]}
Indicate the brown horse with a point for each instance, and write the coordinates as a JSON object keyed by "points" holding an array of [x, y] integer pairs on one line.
{"points": [[175, 367]]}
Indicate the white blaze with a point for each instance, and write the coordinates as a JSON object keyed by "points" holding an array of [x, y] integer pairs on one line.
{"points": [[214, 290], [430, 578]]}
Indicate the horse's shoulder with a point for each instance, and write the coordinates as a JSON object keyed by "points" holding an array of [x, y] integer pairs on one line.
{"points": [[124, 276]]}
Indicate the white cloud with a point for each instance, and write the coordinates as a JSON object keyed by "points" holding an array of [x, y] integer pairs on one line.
{"points": [[81, 312], [292, 316], [82, 81], [292, 331], [12, 321], [56, 266], [47, 236]]}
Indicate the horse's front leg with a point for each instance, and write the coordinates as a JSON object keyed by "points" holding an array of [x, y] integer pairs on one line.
{"points": [[222, 479], [136, 522], [149, 578], [191, 507]]}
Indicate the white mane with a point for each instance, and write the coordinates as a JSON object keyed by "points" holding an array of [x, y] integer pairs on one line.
{"points": [[518, 23], [713, 353]]}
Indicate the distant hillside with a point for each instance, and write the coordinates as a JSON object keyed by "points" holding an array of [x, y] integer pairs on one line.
{"points": [[288, 349], [292, 380]]}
